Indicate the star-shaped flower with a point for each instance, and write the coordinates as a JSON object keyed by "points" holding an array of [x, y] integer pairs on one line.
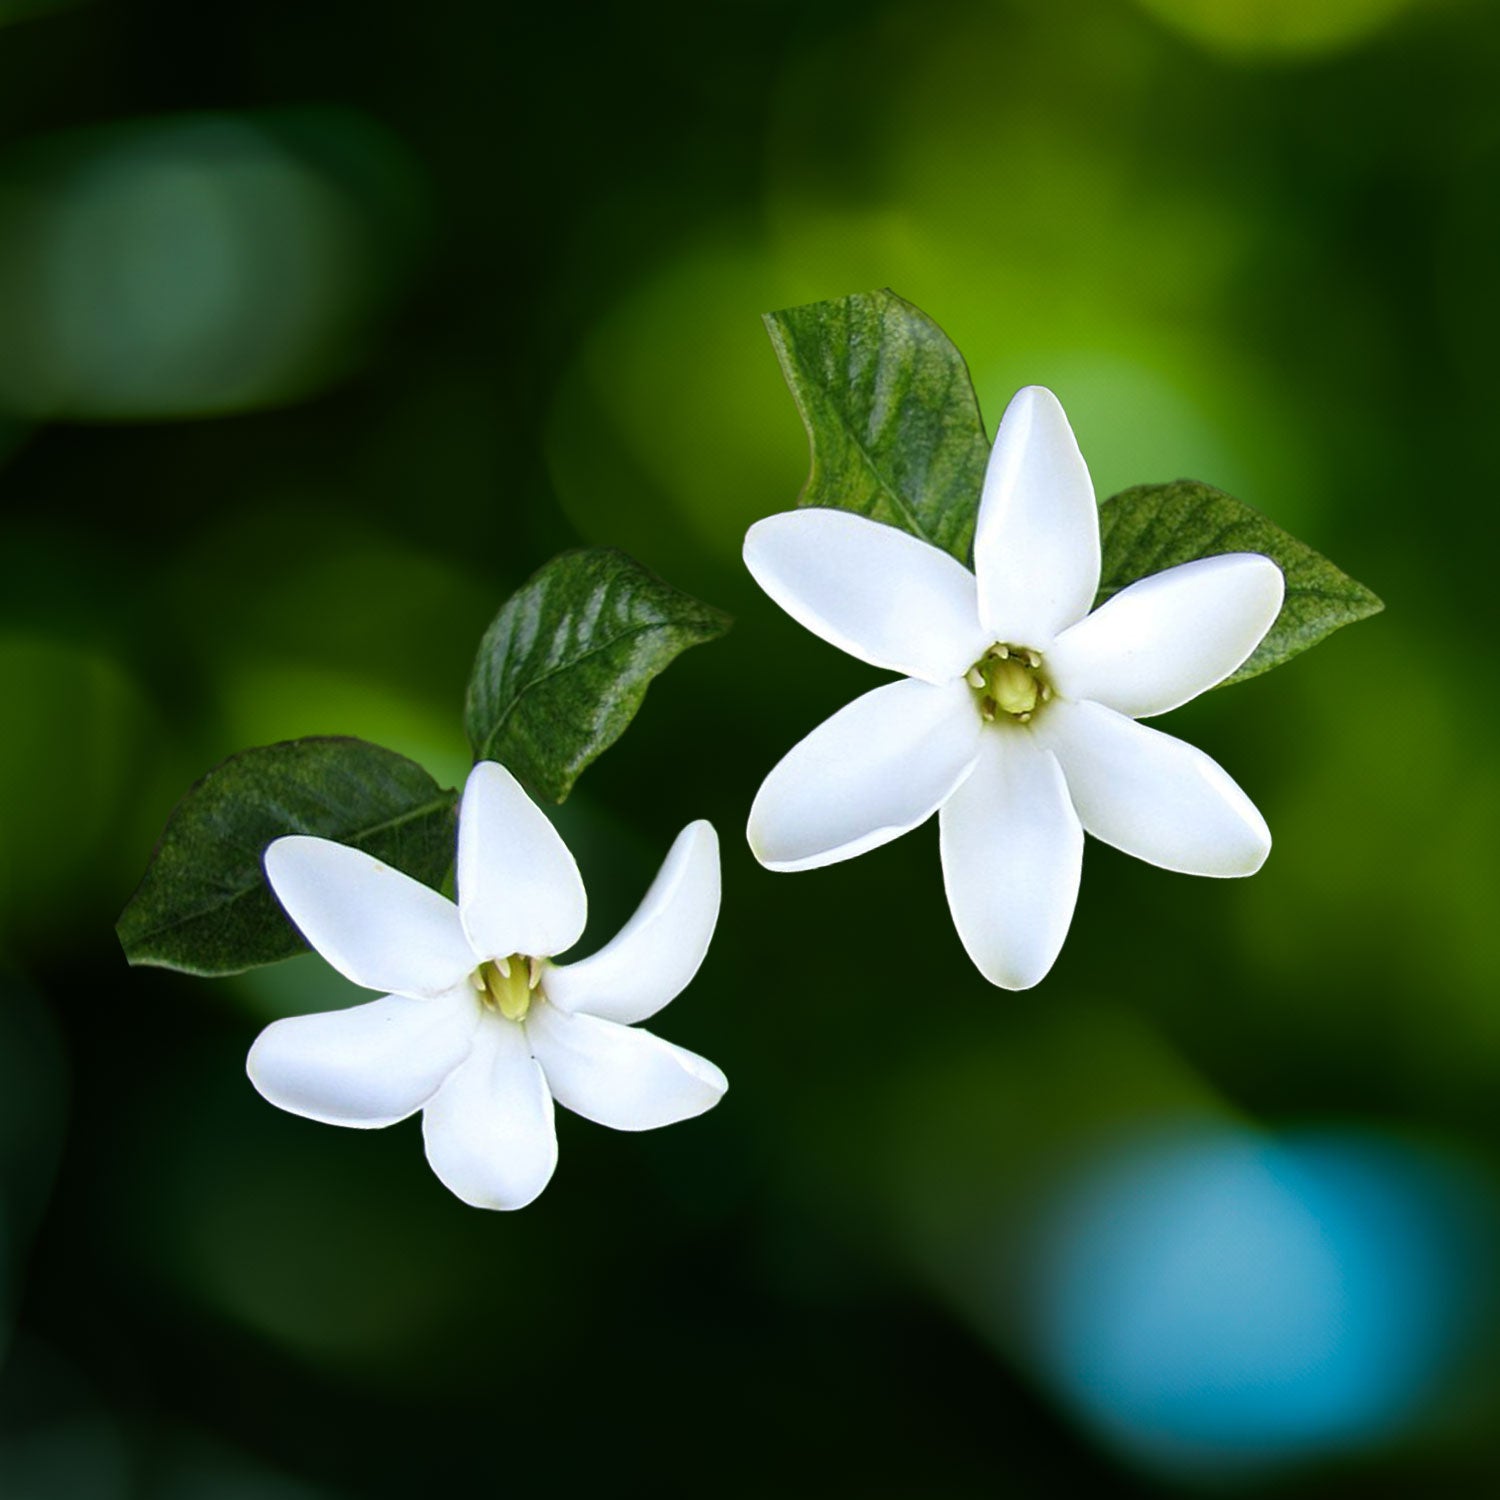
{"points": [[1016, 719], [481, 1030]]}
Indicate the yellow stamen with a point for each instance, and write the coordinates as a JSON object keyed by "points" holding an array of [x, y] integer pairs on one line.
{"points": [[1008, 684], [506, 985]]}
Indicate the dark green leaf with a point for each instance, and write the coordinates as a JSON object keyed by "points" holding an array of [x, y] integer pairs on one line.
{"points": [[203, 905], [563, 667], [1156, 526], [890, 413]]}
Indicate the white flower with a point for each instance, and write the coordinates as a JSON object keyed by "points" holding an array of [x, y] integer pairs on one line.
{"points": [[481, 1031], [1016, 719]]}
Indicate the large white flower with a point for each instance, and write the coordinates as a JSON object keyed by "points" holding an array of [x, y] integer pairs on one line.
{"points": [[1016, 718], [481, 1030]]}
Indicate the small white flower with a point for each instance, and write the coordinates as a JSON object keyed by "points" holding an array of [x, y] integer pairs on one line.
{"points": [[1016, 717], [481, 1031]]}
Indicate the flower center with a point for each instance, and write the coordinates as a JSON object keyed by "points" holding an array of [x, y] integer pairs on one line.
{"points": [[508, 984], [1008, 684]]}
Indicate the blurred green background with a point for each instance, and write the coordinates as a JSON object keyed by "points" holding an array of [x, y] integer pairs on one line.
{"points": [[321, 326]]}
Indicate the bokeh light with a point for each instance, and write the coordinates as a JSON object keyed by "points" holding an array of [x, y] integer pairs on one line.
{"points": [[173, 268], [1277, 28], [1214, 1300]]}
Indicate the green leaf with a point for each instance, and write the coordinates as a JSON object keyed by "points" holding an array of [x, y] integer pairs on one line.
{"points": [[203, 905], [1156, 526], [563, 667], [890, 414]]}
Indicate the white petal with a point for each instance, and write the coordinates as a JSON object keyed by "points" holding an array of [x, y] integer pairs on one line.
{"points": [[1012, 853], [1153, 796], [369, 1065], [655, 954], [1169, 637], [376, 926], [880, 766], [878, 593], [618, 1075], [489, 1131], [1036, 545], [518, 888]]}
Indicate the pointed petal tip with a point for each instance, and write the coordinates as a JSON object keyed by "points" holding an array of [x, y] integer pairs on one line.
{"points": [[702, 832], [1154, 796], [763, 537], [1036, 537], [870, 589], [519, 889], [1030, 403], [274, 860], [1033, 395], [715, 1084], [496, 1201], [487, 777], [756, 532], [1275, 587], [1012, 852], [767, 860], [656, 954], [879, 767], [764, 857], [1234, 864], [376, 925], [1011, 971], [764, 847], [365, 1066], [1255, 851], [622, 1077], [1164, 639], [279, 851], [697, 845], [1012, 980], [488, 1132], [1265, 581]]}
